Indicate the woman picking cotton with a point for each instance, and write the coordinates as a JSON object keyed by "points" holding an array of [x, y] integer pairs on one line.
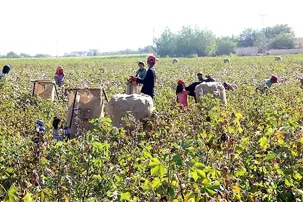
{"points": [[267, 83], [6, 69], [59, 76]]}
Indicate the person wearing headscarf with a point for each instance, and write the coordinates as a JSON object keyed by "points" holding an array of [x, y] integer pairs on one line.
{"points": [[141, 71], [6, 69], [59, 76], [149, 82], [182, 94], [267, 83]]}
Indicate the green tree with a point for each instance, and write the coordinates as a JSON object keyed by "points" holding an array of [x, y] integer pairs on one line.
{"points": [[261, 42], [282, 41], [24, 55], [185, 40], [205, 43], [193, 41], [226, 46], [147, 49], [42, 56], [248, 38], [12, 54], [273, 32], [166, 43]]}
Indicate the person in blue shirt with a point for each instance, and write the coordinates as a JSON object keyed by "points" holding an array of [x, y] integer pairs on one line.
{"points": [[141, 71], [267, 83]]}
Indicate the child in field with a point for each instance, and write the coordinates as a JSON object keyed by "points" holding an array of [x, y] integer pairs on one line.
{"points": [[149, 82], [59, 76], [182, 94], [141, 71], [266, 84]]}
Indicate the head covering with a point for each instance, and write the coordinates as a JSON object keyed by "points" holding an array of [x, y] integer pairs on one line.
{"points": [[6, 69], [180, 82], [141, 63], [274, 79], [151, 59], [39, 122], [199, 74], [132, 79], [59, 69]]}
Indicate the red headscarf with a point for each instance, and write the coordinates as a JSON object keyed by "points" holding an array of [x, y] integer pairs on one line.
{"points": [[180, 82], [59, 69], [274, 79], [151, 59]]}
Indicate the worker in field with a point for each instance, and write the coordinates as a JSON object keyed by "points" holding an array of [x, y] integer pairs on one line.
{"points": [[6, 69], [267, 83], [141, 71], [191, 89], [59, 76], [207, 79], [149, 82], [182, 94], [200, 77]]}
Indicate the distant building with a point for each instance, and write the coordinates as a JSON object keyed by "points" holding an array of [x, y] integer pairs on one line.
{"points": [[284, 51]]}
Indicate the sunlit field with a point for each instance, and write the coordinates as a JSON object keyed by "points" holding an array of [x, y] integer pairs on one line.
{"points": [[248, 150]]}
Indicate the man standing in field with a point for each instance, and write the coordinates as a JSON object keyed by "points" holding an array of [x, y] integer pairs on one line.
{"points": [[149, 81]]}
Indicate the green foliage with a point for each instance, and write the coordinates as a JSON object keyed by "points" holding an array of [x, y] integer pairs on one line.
{"points": [[186, 43], [173, 155], [247, 38], [282, 41], [166, 43], [226, 46]]}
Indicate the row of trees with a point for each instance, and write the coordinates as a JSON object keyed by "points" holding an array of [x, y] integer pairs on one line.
{"points": [[146, 49], [12, 54], [193, 41]]}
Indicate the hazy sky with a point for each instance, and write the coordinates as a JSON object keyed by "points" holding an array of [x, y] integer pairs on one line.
{"points": [[34, 26]]}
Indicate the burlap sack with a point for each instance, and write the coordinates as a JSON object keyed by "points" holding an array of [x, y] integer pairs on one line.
{"points": [[133, 88], [44, 89], [89, 105]]}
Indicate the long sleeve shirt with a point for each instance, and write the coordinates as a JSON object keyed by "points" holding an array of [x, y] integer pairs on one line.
{"points": [[149, 82], [141, 73]]}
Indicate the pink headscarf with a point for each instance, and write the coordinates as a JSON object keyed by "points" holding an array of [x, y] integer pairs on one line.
{"points": [[59, 69]]}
